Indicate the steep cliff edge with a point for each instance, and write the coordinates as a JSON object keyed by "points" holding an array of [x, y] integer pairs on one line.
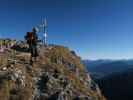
{"points": [[57, 75]]}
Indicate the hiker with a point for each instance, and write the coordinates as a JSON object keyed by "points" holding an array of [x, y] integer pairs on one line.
{"points": [[32, 39]]}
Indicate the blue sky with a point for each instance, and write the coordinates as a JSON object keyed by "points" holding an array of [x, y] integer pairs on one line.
{"points": [[95, 29]]}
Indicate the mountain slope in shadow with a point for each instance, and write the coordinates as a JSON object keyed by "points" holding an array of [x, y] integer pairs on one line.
{"points": [[118, 86]]}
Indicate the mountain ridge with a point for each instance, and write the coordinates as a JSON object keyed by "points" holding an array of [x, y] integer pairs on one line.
{"points": [[57, 75]]}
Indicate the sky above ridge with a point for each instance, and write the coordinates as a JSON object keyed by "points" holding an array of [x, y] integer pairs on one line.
{"points": [[95, 29]]}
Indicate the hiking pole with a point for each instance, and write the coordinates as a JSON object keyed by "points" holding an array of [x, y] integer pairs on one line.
{"points": [[14, 53]]}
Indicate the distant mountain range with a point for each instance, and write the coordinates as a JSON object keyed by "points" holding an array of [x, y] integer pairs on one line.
{"points": [[102, 68], [115, 77]]}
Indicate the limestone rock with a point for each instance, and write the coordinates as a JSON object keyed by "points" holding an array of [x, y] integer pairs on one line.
{"points": [[57, 75]]}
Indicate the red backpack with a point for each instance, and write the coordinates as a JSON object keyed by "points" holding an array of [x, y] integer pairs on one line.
{"points": [[31, 38]]}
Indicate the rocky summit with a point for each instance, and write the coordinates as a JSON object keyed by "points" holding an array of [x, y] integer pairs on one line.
{"points": [[58, 74]]}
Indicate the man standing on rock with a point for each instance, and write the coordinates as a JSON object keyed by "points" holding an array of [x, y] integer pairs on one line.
{"points": [[32, 38]]}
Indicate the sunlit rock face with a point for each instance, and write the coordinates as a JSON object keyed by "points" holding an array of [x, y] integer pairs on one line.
{"points": [[58, 74]]}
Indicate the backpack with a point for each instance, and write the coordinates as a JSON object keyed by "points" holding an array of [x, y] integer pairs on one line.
{"points": [[31, 38]]}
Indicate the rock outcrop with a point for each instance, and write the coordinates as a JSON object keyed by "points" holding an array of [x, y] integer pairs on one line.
{"points": [[57, 75]]}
